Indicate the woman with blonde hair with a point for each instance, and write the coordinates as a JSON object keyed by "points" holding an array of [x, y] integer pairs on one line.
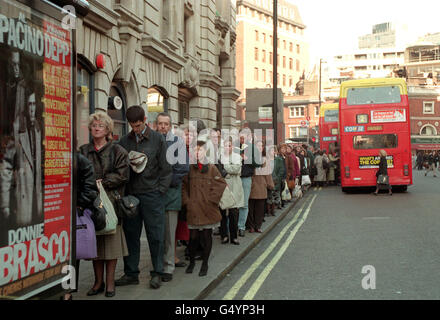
{"points": [[110, 162], [383, 170]]}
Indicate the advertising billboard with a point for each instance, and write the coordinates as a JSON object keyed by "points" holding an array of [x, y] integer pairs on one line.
{"points": [[36, 63]]}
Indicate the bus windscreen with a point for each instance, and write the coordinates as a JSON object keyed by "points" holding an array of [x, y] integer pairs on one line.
{"points": [[375, 141], [331, 116], [373, 95]]}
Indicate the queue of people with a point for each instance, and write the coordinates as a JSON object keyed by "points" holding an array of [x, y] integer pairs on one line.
{"points": [[210, 185]]}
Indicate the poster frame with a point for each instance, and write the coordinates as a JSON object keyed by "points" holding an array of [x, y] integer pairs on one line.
{"points": [[55, 12]]}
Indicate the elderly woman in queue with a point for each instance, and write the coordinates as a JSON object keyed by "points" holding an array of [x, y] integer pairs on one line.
{"points": [[110, 162], [232, 165], [383, 170], [202, 190]]}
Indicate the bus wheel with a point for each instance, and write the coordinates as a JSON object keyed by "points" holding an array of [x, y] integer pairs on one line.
{"points": [[402, 188]]}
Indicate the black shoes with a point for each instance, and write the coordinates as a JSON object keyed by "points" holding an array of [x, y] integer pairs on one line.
{"points": [[180, 264], [126, 280], [203, 270], [190, 267], [166, 277], [155, 282], [225, 240], [110, 294], [241, 233], [235, 242], [93, 292]]}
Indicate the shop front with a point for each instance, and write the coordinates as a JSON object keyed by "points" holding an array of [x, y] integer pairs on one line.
{"points": [[425, 144]]}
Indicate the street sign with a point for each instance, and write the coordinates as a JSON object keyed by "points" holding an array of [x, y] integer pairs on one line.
{"points": [[304, 123]]}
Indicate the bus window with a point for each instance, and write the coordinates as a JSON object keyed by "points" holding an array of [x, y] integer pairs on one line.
{"points": [[373, 95], [375, 141], [331, 116]]}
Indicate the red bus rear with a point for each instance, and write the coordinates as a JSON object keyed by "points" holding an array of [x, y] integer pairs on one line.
{"points": [[328, 126], [374, 115]]}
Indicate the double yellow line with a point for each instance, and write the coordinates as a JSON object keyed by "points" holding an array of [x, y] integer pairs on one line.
{"points": [[264, 274]]}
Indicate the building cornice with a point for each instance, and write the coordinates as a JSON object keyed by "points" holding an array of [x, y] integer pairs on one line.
{"points": [[100, 17], [157, 50]]}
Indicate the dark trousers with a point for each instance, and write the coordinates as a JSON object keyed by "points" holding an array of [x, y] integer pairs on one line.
{"points": [[256, 213], [233, 223], [152, 214]]}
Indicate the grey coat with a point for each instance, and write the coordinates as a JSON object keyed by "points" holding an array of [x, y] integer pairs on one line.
{"points": [[321, 176]]}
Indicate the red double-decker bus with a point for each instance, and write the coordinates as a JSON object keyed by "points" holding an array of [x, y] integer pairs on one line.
{"points": [[328, 126], [374, 115]]}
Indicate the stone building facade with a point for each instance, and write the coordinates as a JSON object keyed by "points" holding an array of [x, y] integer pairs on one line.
{"points": [[424, 104], [177, 56]]}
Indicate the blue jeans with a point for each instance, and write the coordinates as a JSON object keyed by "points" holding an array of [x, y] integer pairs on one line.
{"points": [[243, 212], [152, 213]]}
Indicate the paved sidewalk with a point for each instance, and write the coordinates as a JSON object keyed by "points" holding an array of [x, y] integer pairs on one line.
{"points": [[184, 286]]}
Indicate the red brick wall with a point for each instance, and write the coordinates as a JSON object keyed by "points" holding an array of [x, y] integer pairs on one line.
{"points": [[416, 110]]}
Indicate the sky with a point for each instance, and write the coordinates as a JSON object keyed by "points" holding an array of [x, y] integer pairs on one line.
{"points": [[333, 26]]}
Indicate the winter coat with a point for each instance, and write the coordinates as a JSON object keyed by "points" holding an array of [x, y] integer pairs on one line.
{"points": [[201, 194], [261, 181], [290, 165], [332, 167], [111, 165], [383, 167], [232, 166], [253, 161], [321, 176], [279, 173], [173, 197], [86, 190], [157, 174], [21, 176]]}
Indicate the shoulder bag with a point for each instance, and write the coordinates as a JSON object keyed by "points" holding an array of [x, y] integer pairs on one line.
{"points": [[128, 205], [382, 179]]}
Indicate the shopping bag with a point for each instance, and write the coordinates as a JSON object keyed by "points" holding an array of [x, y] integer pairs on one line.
{"points": [[298, 191], [85, 235], [382, 179], [285, 196], [305, 180], [228, 200], [111, 220]]}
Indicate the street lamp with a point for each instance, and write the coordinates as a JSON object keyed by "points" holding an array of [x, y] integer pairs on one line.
{"points": [[275, 71]]}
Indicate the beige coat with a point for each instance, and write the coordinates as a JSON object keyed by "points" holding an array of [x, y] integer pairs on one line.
{"points": [[261, 181], [232, 165]]}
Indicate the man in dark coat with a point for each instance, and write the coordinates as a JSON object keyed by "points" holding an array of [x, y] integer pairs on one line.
{"points": [[149, 186]]}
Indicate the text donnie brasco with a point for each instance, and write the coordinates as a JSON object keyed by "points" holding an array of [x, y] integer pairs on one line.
{"points": [[236, 310]]}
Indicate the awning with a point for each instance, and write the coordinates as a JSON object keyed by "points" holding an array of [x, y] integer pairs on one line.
{"points": [[425, 146]]}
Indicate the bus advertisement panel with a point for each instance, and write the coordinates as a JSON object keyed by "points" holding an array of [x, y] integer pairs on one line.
{"points": [[374, 115], [328, 126], [36, 149]]}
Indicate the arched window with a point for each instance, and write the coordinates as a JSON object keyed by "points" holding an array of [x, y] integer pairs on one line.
{"points": [[117, 104], [428, 130], [157, 102]]}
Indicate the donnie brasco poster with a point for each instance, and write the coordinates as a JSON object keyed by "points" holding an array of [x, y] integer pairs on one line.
{"points": [[35, 150]]}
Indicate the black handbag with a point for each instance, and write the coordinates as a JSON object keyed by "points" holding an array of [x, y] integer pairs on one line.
{"points": [[98, 214], [382, 179], [128, 205]]}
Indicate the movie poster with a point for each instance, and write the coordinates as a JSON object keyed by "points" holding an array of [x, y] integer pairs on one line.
{"points": [[35, 150]]}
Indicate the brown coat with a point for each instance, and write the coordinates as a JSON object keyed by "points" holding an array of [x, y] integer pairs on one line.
{"points": [[201, 194], [260, 184]]}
